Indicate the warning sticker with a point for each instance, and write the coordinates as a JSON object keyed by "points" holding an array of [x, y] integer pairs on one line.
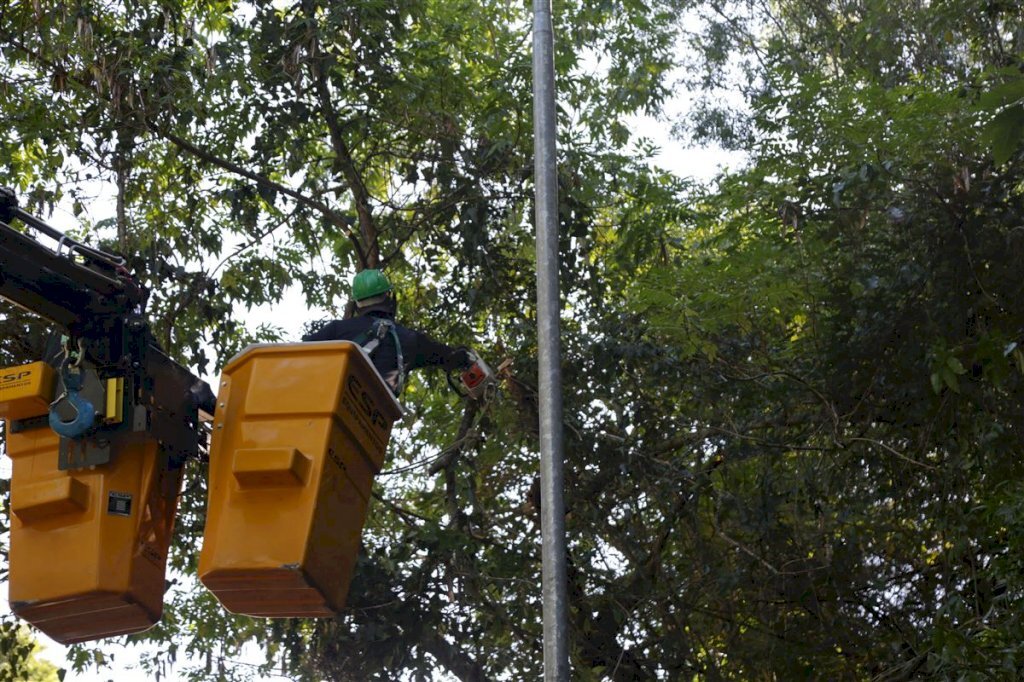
{"points": [[119, 504]]}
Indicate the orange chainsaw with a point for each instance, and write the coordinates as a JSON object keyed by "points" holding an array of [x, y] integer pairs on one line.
{"points": [[477, 381]]}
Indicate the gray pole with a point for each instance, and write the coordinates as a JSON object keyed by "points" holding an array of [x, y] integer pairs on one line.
{"points": [[556, 650]]}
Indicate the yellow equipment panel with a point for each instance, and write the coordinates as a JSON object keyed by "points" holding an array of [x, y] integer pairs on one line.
{"points": [[89, 547], [300, 431], [26, 391]]}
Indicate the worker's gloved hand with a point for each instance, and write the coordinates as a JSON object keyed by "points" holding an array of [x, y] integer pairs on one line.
{"points": [[460, 358]]}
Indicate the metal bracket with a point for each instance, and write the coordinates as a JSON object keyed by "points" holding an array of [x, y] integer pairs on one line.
{"points": [[19, 425], [82, 454]]}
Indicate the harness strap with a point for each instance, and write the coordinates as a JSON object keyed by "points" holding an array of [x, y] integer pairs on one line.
{"points": [[399, 357], [375, 335]]}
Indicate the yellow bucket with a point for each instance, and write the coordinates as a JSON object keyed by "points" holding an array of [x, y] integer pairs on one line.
{"points": [[300, 431]]}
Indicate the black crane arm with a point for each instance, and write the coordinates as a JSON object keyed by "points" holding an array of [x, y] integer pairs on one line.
{"points": [[84, 296], [91, 295]]}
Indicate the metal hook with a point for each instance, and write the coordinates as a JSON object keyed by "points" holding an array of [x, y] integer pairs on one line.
{"points": [[85, 413], [81, 354]]}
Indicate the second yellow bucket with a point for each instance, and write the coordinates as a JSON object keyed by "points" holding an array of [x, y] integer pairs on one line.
{"points": [[300, 431]]}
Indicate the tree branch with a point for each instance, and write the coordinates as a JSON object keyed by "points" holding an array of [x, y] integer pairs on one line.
{"points": [[452, 658], [344, 163], [185, 145], [322, 208]]}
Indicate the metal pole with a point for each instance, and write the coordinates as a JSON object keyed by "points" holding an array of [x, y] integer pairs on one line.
{"points": [[555, 601]]}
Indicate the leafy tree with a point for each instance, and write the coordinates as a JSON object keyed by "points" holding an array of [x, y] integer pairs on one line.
{"points": [[840, 315], [290, 144], [19, 661], [793, 396]]}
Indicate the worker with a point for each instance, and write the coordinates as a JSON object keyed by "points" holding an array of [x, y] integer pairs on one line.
{"points": [[395, 349]]}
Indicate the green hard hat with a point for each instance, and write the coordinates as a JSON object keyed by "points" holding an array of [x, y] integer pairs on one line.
{"points": [[369, 283]]}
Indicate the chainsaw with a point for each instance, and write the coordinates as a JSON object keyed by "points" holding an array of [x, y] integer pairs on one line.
{"points": [[477, 381]]}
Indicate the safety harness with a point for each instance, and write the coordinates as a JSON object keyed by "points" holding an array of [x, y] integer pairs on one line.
{"points": [[370, 341]]}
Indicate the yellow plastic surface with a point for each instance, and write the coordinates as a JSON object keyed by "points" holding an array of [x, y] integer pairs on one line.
{"points": [[115, 401], [299, 433], [85, 564], [26, 391], [270, 468], [35, 502]]}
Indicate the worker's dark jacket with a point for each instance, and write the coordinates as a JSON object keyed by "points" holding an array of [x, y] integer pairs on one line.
{"points": [[418, 349]]}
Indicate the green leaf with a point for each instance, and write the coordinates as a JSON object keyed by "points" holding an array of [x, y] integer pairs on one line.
{"points": [[949, 378], [1005, 133], [955, 365]]}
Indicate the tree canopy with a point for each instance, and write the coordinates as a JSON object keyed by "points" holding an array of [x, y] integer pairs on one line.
{"points": [[793, 394], [20, 661]]}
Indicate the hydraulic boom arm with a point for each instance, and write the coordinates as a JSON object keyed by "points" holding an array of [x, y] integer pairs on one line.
{"points": [[95, 300]]}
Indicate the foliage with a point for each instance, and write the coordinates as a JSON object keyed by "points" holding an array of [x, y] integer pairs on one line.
{"points": [[840, 316], [18, 656], [792, 395], [258, 146]]}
